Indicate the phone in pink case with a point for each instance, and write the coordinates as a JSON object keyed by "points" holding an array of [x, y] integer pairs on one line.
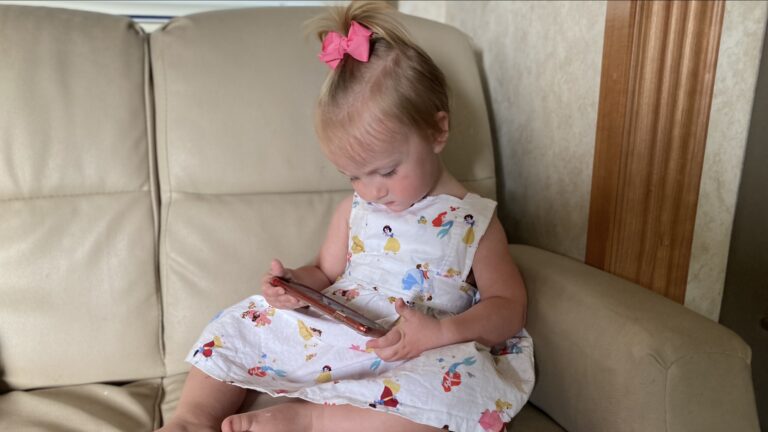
{"points": [[331, 307]]}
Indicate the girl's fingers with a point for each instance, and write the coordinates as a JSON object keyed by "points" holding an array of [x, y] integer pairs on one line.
{"points": [[276, 267], [272, 291], [386, 341], [284, 301], [388, 354]]}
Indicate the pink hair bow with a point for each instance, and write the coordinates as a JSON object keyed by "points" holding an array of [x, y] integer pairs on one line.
{"points": [[357, 44]]}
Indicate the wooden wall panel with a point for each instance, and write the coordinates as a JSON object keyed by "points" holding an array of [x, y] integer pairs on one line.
{"points": [[659, 61]]}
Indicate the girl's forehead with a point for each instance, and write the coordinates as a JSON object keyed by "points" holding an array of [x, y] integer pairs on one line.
{"points": [[370, 163], [364, 156]]}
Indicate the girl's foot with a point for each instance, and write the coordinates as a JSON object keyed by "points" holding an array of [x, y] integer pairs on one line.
{"points": [[182, 426], [289, 416]]}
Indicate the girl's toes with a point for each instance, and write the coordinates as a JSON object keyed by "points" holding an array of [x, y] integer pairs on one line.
{"points": [[237, 423]]}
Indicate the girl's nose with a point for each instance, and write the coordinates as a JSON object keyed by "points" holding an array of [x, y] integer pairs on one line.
{"points": [[375, 191]]}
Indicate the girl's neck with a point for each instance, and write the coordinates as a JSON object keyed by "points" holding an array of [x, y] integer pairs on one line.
{"points": [[446, 184]]}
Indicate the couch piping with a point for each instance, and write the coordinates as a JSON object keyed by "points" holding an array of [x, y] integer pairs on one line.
{"points": [[162, 263], [294, 192], [74, 195], [154, 190]]}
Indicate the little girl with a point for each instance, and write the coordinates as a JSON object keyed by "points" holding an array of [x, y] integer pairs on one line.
{"points": [[406, 249]]}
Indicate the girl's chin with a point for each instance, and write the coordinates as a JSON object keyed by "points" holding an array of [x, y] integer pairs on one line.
{"points": [[398, 207], [395, 207]]}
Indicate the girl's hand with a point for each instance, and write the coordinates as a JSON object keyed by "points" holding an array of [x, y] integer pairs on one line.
{"points": [[276, 296], [413, 334]]}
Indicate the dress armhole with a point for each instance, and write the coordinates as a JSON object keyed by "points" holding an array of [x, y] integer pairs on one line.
{"points": [[482, 210]]}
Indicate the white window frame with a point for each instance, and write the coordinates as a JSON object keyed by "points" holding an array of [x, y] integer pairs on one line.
{"points": [[152, 14]]}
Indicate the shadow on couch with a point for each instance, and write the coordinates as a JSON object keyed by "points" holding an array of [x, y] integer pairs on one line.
{"points": [[4, 386]]}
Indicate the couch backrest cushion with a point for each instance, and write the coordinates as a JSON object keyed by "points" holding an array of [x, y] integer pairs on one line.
{"points": [[242, 177], [78, 291]]}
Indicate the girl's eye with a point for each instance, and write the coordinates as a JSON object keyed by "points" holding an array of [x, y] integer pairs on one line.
{"points": [[390, 173], [353, 179]]}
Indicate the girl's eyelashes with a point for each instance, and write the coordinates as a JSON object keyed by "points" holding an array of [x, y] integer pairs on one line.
{"points": [[385, 174]]}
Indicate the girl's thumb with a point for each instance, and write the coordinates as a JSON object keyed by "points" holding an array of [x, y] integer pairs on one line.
{"points": [[276, 268], [389, 339], [401, 308]]}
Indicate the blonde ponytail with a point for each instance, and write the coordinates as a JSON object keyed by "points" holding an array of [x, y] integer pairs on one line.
{"points": [[379, 17], [398, 87]]}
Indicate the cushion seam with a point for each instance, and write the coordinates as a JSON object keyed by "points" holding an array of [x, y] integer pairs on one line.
{"points": [[157, 417], [667, 368], [73, 195], [288, 192], [163, 251]]}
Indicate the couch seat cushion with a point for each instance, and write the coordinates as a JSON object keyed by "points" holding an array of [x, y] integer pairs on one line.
{"points": [[89, 407]]}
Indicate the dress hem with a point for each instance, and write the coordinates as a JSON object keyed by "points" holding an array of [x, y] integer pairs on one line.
{"points": [[469, 424]]}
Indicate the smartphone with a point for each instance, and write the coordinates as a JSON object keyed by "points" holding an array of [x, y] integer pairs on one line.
{"points": [[331, 307]]}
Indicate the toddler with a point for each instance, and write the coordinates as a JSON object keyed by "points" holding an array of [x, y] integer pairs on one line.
{"points": [[407, 250]]}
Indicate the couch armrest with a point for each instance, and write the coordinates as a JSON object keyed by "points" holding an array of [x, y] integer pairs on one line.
{"points": [[612, 355]]}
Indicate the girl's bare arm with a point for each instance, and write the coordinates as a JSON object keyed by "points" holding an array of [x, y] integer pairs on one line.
{"points": [[500, 314], [332, 258]]}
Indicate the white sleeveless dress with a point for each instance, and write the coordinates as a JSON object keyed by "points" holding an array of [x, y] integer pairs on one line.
{"points": [[423, 255]]}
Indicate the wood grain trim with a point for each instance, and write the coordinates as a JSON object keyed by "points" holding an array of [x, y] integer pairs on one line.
{"points": [[659, 61]]}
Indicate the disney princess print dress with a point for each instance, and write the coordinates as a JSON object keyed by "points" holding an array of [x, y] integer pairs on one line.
{"points": [[423, 255]]}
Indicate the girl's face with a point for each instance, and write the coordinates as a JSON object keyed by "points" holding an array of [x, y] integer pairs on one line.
{"points": [[399, 174]]}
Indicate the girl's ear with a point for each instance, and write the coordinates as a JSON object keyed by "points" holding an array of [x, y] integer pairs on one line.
{"points": [[441, 138]]}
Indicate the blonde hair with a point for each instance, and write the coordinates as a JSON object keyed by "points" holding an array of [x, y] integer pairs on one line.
{"points": [[364, 104]]}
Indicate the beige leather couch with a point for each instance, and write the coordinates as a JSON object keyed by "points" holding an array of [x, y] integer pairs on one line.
{"points": [[146, 181]]}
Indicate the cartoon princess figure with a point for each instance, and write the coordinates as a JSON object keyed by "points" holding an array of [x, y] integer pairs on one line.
{"points": [[262, 371], [439, 222], [502, 405], [325, 375], [306, 332], [207, 348], [419, 277], [510, 346], [469, 236], [259, 317], [387, 397], [452, 272], [347, 294], [452, 377], [393, 244], [357, 245], [491, 421]]}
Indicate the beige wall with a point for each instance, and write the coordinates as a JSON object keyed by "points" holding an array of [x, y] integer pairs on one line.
{"points": [[737, 67], [542, 66]]}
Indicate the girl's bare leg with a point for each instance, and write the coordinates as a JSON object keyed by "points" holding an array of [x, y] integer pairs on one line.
{"points": [[204, 403], [306, 416]]}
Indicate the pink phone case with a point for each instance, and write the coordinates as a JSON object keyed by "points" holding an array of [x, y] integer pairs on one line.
{"points": [[331, 307]]}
